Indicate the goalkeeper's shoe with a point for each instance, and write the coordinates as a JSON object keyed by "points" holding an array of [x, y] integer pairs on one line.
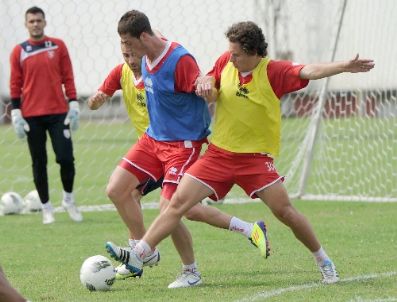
{"points": [[48, 213], [186, 279], [329, 273], [152, 260], [259, 238], [129, 258]]}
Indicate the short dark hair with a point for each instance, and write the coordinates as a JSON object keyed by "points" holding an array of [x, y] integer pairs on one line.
{"points": [[249, 36], [35, 10], [134, 23]]}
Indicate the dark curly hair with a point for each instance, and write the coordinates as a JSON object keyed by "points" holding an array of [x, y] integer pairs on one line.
{"points": [[249, 36], [134, 23]]}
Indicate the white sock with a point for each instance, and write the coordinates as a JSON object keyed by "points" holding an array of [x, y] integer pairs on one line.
{"points": [[132, 242], [68, 197], [47, 206], [142, 249], [190, 267], [320, 256], [240, 226]]}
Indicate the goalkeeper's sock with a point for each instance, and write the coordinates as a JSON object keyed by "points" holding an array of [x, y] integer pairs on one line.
{"points": [[240, 226], [47, 206], [142, 249], [320, 256], [68, 197]]}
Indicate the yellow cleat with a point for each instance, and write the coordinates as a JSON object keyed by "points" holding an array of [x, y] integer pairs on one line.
{"points": [[259, 238]]}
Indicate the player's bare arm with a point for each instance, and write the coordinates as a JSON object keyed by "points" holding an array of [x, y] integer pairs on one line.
{"points": [[205, 87], [322, 70], [97, 100]]}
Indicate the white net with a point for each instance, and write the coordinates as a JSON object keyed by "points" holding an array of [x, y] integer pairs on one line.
{"points": [[354, 154]]}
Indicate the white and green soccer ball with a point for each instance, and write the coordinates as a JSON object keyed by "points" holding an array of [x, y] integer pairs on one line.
{"points": [[97, 273], [11, 203]]}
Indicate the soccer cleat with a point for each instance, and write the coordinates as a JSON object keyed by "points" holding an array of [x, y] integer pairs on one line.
{"points": [[73, 211], [152, 260], [329, 273], [48, 215], [259, 238], [130, 259], [186, 279]]}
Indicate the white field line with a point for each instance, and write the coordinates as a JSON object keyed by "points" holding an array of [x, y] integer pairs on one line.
{"points": [[152, 205], [277, 292]]}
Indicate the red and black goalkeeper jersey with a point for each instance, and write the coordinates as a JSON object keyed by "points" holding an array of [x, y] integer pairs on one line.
{"points": [[39, 69]]}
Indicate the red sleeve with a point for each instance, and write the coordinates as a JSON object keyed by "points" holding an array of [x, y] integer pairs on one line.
{"points": [[112, 82], [186, 73], [16, 78], [216, 71], [67, 72], [284, 77]]}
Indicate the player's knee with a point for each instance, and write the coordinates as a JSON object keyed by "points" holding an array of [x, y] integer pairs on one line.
{"points": [[112, 192], [287, 214], [193, 214]]}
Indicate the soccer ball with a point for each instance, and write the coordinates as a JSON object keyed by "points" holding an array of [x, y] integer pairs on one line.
{"points": [[32, 202], [97, 273], [11, 203]]}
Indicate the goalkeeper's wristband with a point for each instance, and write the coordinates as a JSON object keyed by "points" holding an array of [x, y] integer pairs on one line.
{"points": [[16, 103]]}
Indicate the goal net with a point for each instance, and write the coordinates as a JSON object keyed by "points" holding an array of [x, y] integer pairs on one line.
{"points": [[339, 136]]}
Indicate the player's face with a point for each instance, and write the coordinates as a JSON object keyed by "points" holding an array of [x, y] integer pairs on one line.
{"points": [[35, 24], [240, 59], [133, 61], [135, 44]]}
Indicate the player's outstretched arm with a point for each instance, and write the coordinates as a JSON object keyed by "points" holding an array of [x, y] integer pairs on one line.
{"points": [[97, 100], [205, 87], [323, 70]]}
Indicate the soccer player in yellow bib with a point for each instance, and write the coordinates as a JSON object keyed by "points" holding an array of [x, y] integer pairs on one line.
{"points": [[127, 77], [247, 87]]}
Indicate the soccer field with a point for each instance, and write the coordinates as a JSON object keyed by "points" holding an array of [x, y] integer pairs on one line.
{"points": [[43, 262]]}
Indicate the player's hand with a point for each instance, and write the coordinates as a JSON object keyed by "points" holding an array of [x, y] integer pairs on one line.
{"points": [[19, 123], [73, 117], [205, 86], [97, 100], [359, 65]]}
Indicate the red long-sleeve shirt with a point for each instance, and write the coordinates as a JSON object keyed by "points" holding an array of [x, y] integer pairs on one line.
{"points": [[39, 69]]}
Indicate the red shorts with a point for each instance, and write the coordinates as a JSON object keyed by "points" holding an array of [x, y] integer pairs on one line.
{"points": [[219, 170], [149, 158]]}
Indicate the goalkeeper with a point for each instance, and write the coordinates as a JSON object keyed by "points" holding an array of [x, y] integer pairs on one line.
{"points": [[127, 77], [40, 69]]}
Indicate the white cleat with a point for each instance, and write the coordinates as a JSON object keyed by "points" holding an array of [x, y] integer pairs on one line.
{"points": [[123, 273], [48, 215], [73, 211], [329, 273], [186, 279]]}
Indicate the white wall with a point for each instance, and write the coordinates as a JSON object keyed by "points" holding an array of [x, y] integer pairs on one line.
{"points": [[89, 29]]}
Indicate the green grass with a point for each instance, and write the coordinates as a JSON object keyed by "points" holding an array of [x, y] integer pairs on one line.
{"points": [[43, 262]]}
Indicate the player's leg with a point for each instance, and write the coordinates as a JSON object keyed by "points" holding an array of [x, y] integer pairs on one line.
{"points": [[120, 189], [276, 197], [7, 292], [188, 193], [63, 148], [37, 138]]}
